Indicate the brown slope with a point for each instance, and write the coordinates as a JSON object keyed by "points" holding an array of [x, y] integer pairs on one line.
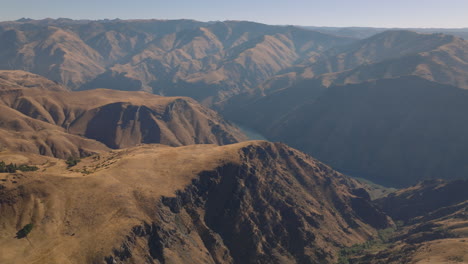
{"points": [[215, 62], [447, 64], [286, 105], [33, 129], [436, 228], [208, 61], [19, 132], [50, 51], [435, 57], [118, 119], [114, 45], [253, 202], [383, 46], [421, 202]]}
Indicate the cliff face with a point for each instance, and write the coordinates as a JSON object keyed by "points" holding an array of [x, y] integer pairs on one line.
{"points": [[253, 202], [116, 119]]}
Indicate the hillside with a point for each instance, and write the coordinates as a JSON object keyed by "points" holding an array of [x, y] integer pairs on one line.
{"points": [[207, 61], [390, 54], [277, 105], [132, 206], [446, 63], [435, 226], [395, 132], [36, 106]]}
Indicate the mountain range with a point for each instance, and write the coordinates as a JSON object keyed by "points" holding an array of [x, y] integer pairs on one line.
{"points": [[371, 108], [271, 79], [207, 61], [365, 32], [121, 142]]}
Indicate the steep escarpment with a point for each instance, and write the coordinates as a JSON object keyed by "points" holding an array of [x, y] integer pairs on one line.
{"points": [[117, 119], [253, 202], [22, 133], [395, 132], [180, 122]]}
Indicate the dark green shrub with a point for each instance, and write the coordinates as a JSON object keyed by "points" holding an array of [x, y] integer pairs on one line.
{"points": [[11, 168], [72, 161], [27, 168], [24, 231]]}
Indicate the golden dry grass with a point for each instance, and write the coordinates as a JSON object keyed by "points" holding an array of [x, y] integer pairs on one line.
{"points": [[83, 212]]}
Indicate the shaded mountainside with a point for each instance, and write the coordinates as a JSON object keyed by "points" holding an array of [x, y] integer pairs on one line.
{"points": [[252, 202], [22, 133], [27, 126], [34, 105], [395, 132], [279, 107], [427, 200], [434, 230], [207, 61]]}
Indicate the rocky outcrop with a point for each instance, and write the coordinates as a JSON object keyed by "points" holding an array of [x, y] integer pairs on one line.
{"points": [[265, 210]]}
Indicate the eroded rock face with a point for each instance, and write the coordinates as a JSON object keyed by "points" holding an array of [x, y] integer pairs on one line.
{"points": [[60, 123], [276, 206]]}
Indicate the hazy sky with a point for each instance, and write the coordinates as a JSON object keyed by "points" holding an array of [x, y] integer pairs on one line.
{"points": [[375, 13]]}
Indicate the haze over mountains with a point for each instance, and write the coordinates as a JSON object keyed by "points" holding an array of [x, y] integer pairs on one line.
{"points": [[269, 78], [365, 32], [107, 169], [207, 61]]}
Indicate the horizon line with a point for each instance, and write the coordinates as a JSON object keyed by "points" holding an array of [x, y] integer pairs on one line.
{"points": [[214, 21]]}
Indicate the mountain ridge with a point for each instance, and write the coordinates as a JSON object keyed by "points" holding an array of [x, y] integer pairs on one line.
{"points": [[151, 54], [215, 199], [116, 118]]}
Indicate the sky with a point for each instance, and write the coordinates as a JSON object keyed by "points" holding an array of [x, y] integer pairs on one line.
{"points": [[339, 13]]}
